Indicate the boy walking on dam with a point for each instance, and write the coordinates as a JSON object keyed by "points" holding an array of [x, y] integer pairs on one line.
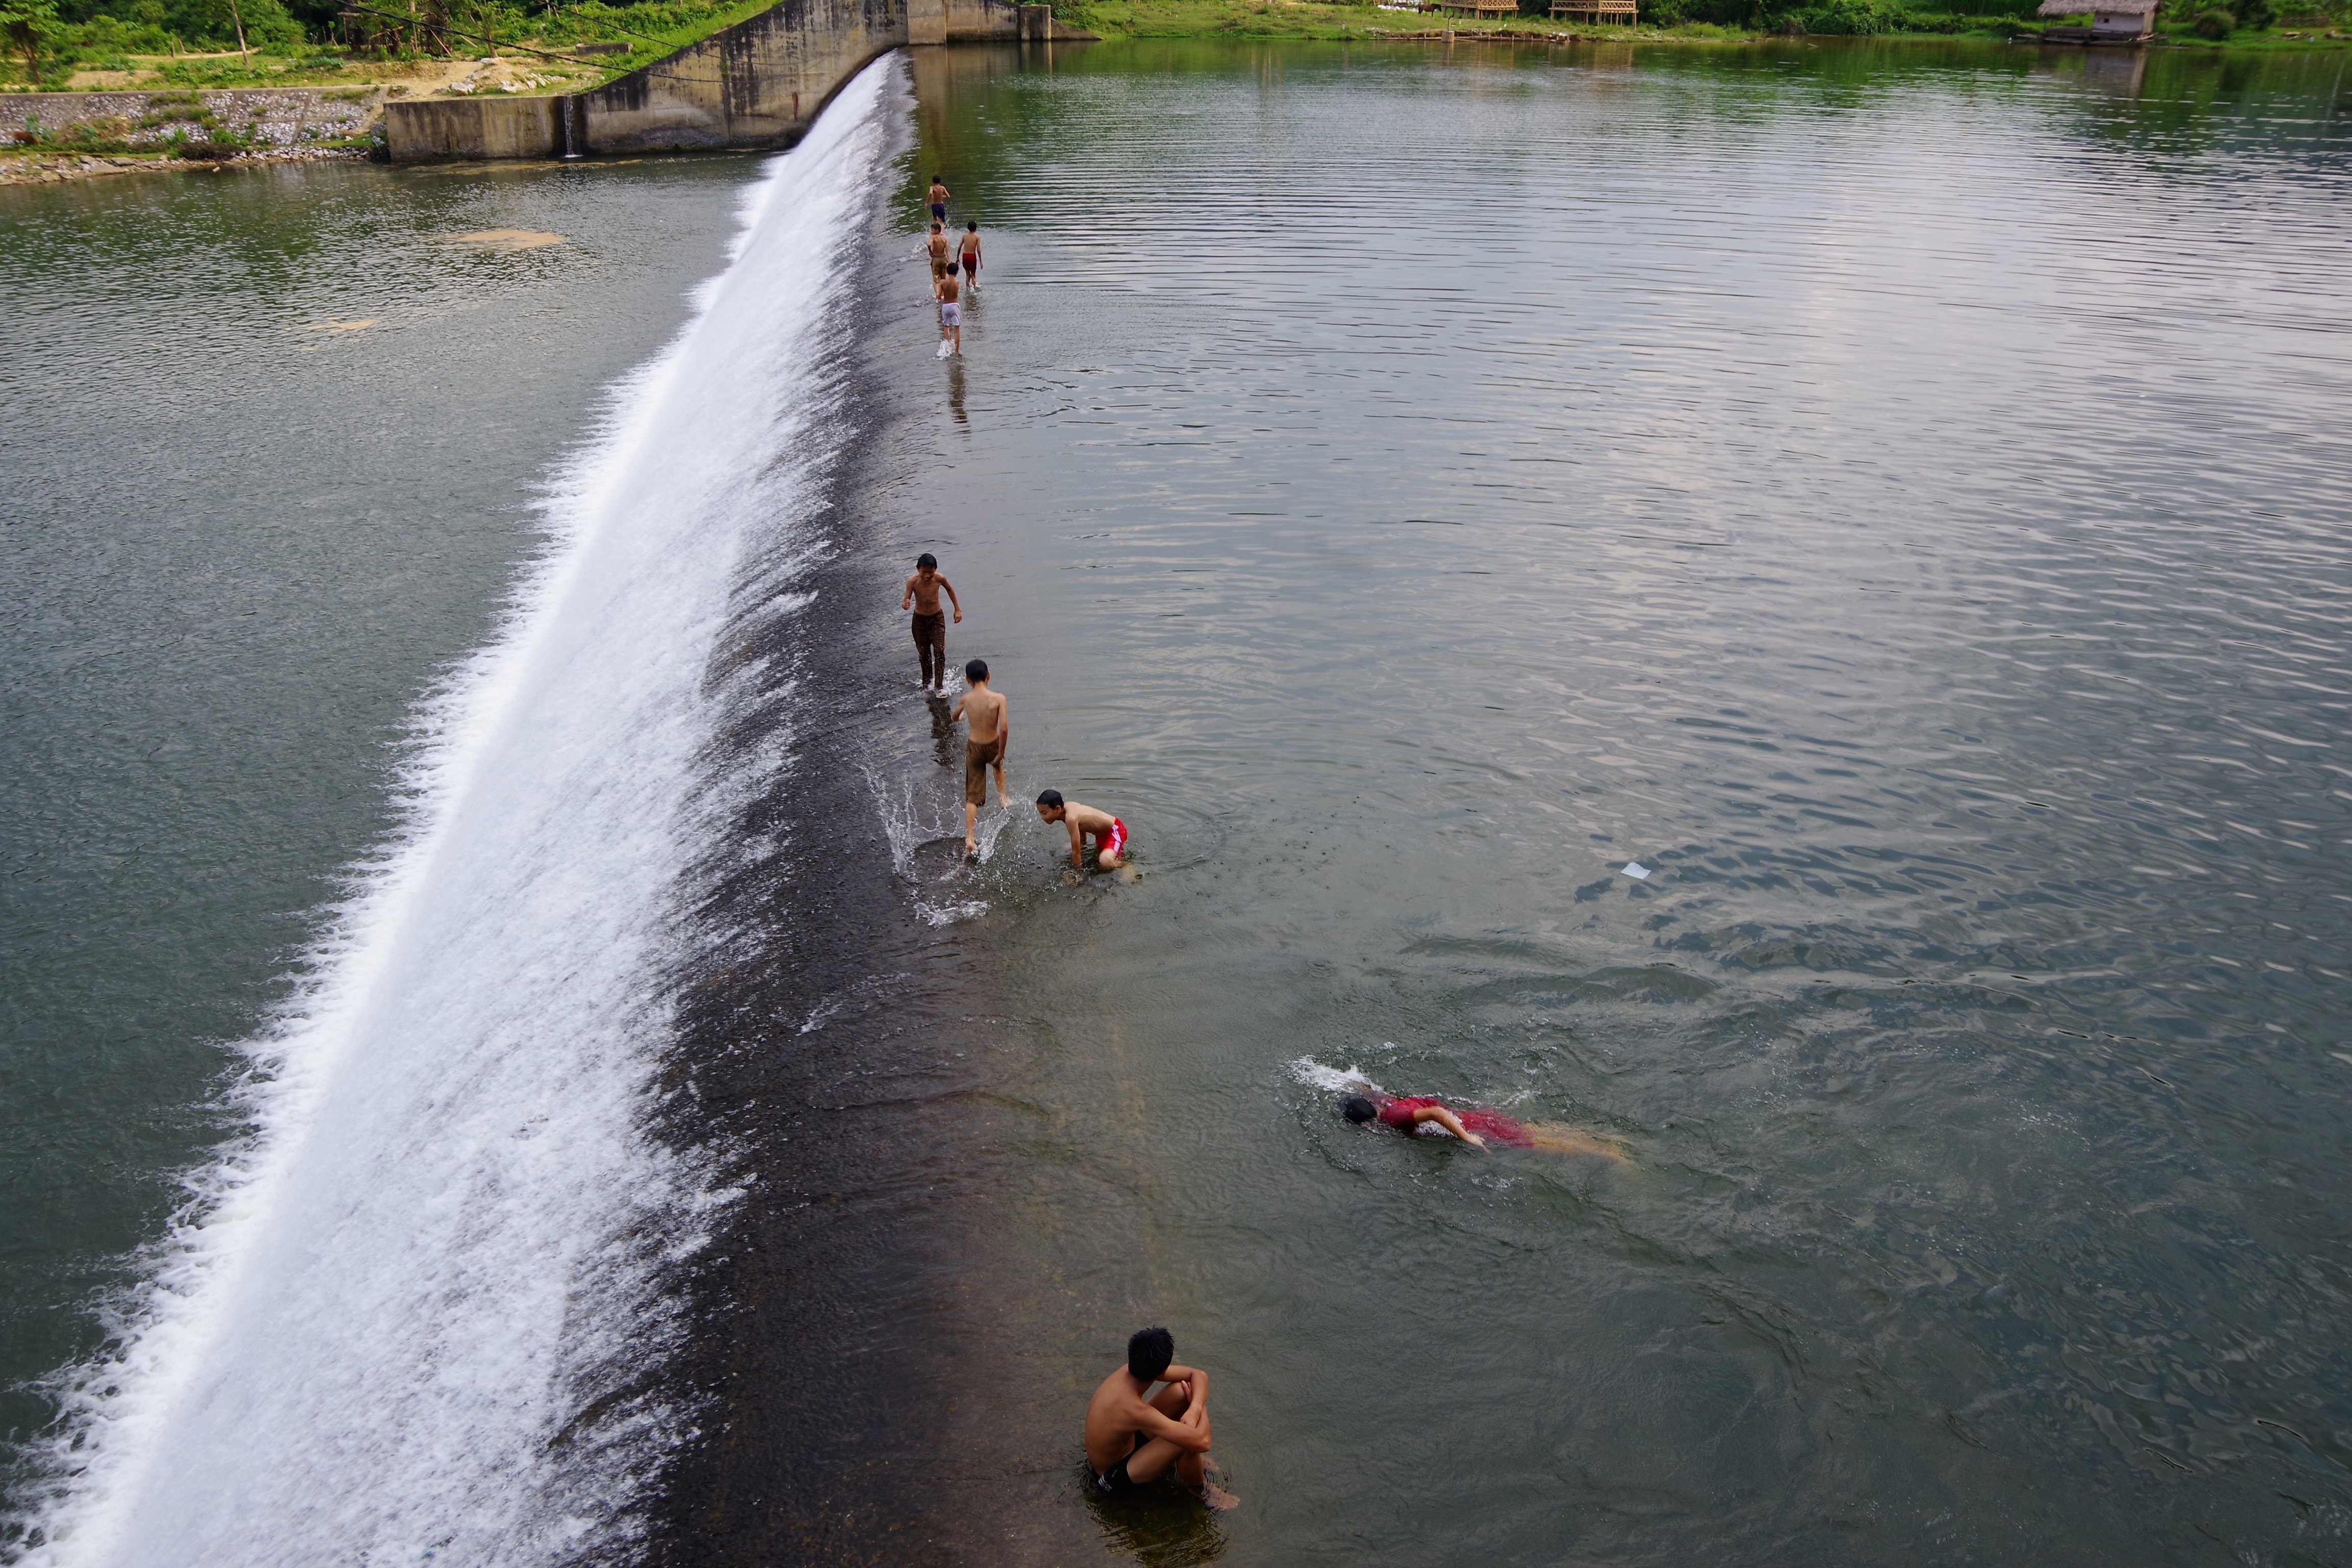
{"points": [[950, 295], [923, 589], [983, 746]]}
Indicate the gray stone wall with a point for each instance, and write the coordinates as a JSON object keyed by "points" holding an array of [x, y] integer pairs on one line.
{"points": [[471, 128], [759, 83], [276, 117]]}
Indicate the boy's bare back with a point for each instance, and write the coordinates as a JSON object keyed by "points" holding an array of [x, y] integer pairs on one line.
{"points": [[1088, 819], [984, 707]]}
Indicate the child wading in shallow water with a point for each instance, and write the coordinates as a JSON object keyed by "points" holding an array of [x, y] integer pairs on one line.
{"points": [[1085, 822], [950, 293], [983, 746], [922, 594]]}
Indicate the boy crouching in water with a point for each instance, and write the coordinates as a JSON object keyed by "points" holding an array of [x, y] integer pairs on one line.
{"points": [[1132, 1441], [1085, 822]]}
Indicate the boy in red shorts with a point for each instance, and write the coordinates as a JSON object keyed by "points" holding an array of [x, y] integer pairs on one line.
{"points": [[1085, 822]]}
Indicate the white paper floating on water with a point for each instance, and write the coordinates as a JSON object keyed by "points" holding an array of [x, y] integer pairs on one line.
{"points": [[1636, 870]]}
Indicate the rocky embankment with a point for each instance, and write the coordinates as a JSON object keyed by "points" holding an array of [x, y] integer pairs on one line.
{"points": [[58, 136]]}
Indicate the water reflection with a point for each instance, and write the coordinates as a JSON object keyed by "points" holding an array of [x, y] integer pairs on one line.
{"points": [[945, 739], [1160, 1527], [2123, 72]]}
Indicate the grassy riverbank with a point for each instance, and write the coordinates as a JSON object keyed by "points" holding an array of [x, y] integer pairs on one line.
{"points": [[456, 48], [419, 45]]}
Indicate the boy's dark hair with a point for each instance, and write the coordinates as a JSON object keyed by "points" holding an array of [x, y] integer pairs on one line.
{"points": [[1052, 798], [976, 671], [1357, 1109], [927, 558], [937, 181], [1148, 1352], [973, 225]]}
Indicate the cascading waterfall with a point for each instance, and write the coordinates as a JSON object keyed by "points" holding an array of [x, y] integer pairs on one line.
{"points": [[412, 1314]]}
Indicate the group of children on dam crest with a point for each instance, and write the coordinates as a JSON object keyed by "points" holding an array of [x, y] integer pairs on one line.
{"points": [[982, 708], [945, 252], [1135, 1437], [988, 727]]}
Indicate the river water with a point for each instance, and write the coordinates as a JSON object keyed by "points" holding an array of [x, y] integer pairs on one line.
{"points": [[1892, 493]]}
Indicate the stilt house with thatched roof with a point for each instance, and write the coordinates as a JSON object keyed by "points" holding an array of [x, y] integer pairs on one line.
{"points": [[2112, 21]]}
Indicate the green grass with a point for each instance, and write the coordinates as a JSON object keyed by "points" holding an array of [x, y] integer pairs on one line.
{"points": [[655, 28], [158, 58]]}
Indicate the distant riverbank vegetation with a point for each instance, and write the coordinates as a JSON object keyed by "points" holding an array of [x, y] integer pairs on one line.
{"points": [[2239, 22], [548, 46], [94, 45]]}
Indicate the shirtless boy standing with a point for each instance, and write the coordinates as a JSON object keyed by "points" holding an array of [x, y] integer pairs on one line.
{"points": [[1132, 1441], [1085, 822], [941, 249], [950, 295], [923, 589], [969, 249], [983, 746], [939, 200]]}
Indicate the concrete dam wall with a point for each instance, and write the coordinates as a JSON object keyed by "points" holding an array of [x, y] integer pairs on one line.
{"points": [[756, 84]]}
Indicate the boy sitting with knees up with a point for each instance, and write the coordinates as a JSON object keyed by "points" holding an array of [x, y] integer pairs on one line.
{"points": [[1133, 1441]]}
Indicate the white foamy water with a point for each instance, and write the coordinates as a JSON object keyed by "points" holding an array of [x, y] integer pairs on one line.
{"points": [[411, 1316], [1337, 1081], [921, 812]]}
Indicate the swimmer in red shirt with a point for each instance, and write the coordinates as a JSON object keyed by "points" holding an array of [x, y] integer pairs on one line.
{"points": [[1477, 1127]]}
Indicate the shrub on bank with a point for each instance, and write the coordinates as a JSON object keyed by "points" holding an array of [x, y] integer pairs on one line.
{"points": [[1855, 18], [211, 150], [194, 44]]}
